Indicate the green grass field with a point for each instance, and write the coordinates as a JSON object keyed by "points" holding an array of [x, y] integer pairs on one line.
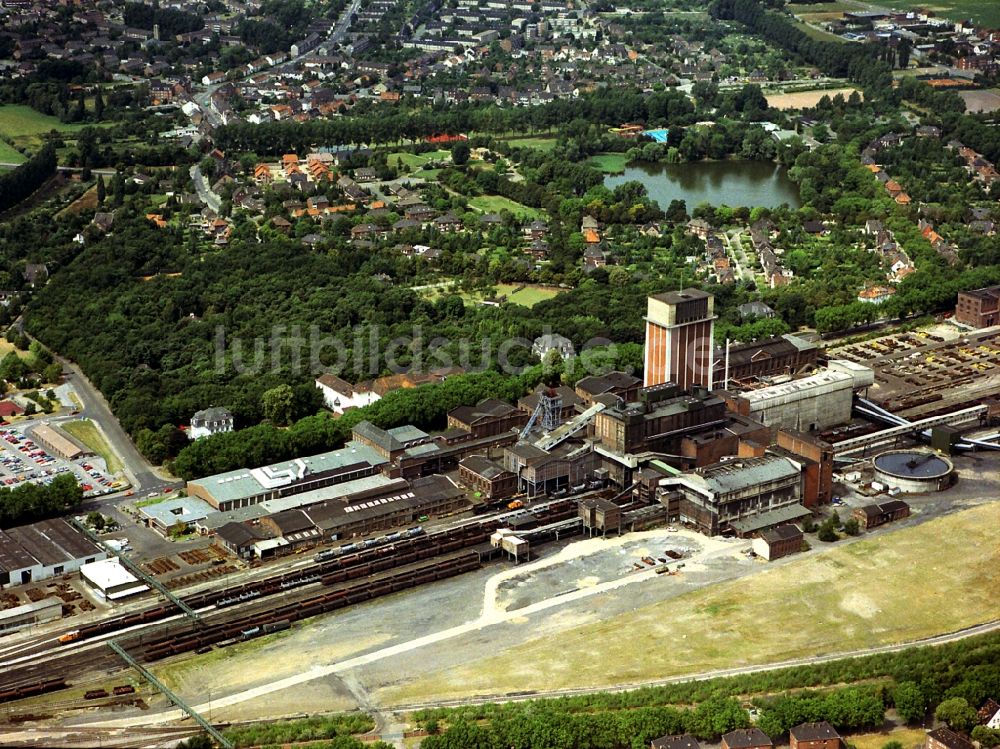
{"points": [[743, 622], [86, 431], [529, 296], [497, 203], [609, 163], [413, 161], [26, 126], [10, 155], [982, 12], [527, 141]]}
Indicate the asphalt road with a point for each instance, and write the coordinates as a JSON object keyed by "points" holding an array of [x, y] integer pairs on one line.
{"points": [[205, 193], [139, 471]]}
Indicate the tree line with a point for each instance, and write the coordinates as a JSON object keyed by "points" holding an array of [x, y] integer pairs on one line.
{"points": [[30, 502], [21, 183]]}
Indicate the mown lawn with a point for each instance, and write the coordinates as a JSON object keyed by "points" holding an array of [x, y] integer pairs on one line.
{"points": [[527, 141], [529, 296], [497, 203], [414, 161]]}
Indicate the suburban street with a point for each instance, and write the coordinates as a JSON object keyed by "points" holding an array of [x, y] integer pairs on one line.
{"points": [[205, 193]]}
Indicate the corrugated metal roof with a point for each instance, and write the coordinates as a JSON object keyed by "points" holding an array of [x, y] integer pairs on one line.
{"points": [[736, 475]]}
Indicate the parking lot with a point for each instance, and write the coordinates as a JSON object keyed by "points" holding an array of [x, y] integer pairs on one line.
{"points": [[23, 461]]}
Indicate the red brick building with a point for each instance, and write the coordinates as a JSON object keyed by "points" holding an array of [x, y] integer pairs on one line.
{"points": [[480, 474], [979, 308], [746, 738], [814, 736], [945, 738]]}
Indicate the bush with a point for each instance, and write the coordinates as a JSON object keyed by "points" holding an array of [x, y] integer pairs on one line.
{"points": [[987, 737], [851, 527], [827, 530]]}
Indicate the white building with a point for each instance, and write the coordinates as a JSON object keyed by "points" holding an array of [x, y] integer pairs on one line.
{"points": [[552, 341], [110, 580], [340, 395], [210, 421]]}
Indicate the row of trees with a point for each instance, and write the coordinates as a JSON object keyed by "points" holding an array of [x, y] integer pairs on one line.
{"points": [[30, 502], [19, 184]]}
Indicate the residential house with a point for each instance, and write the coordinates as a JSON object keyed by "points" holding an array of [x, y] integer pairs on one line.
{"points": [[552, 342], [819, 735], [209, 421]]}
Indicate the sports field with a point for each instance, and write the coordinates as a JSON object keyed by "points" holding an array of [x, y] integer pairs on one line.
{"points": [[497, 203], [529, 296], [805, 99], [875, 591]]}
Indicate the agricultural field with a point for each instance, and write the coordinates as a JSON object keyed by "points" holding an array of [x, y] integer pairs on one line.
{"points": [[806, 99], [609, 163], [86, 431], [26, 126], [498, 203], [743, 622]]}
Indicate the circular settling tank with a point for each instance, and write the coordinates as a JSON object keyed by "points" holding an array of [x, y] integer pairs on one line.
{"points": [[913, 471]]}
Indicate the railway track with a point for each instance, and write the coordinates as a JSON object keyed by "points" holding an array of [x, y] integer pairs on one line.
{"points": [[248, 610]]}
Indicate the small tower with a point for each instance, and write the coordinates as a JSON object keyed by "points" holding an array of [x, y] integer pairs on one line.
{"points": [[551, 404]]}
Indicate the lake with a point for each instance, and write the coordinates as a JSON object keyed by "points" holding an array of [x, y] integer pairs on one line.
{"points": [[732, 183]]}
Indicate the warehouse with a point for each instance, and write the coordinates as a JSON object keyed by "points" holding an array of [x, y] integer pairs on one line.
{"points": [[58, 443], [245, 487], [45, 549], [813, 403], [37, 612], [110, 580]]}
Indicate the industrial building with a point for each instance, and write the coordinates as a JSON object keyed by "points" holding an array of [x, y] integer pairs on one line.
{"points": [[487, 478], [782, 355], [57, 442], [743, 495], [250, 486], [679, 343], [48, 548], [813, 403], [488, 418], [29, 614], [170, 514], [774, 543], [619, 384], [658, 421], [390, 504], [110, 580], [979, 308], [880, 513]]}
